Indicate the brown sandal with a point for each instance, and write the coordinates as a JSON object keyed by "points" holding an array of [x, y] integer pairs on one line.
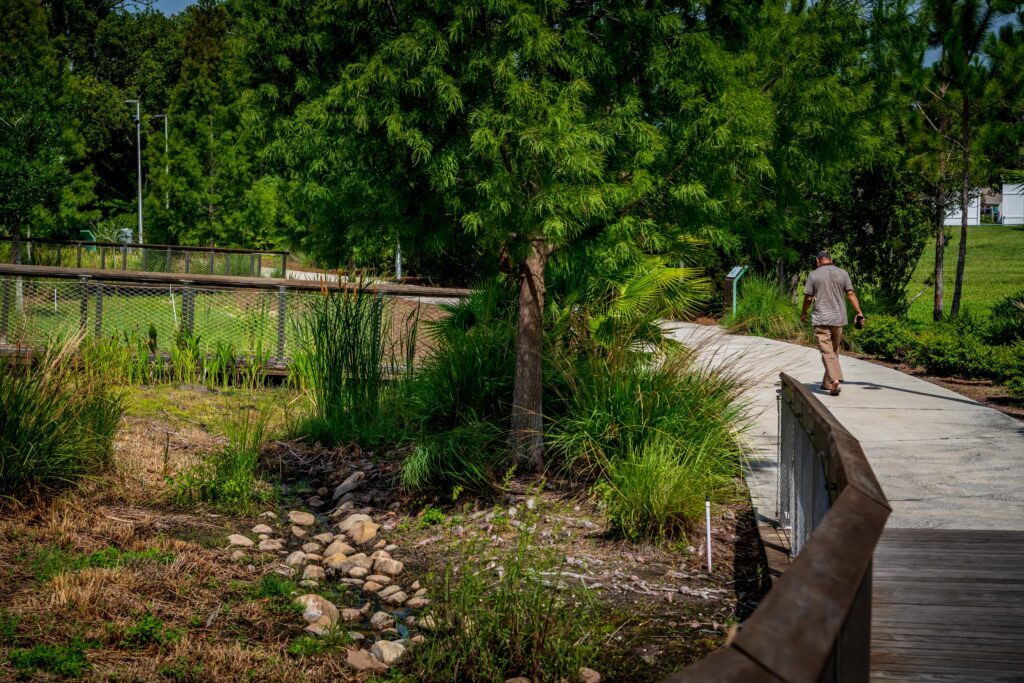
{"points": [[835, 388]]}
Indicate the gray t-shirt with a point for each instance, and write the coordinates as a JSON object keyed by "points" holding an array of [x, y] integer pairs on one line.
{"points": [[829, 285]]}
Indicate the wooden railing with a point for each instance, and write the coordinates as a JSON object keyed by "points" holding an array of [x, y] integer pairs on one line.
{"points": [[814, 625]]}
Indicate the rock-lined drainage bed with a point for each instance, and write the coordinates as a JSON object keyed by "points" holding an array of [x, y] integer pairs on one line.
{"points": [[385, 621]]}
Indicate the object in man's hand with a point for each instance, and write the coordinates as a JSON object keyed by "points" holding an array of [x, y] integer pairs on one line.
{"points": [[858, 322]]}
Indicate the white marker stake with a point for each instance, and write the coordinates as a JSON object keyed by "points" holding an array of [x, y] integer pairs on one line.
{"points": [[707, 519]]}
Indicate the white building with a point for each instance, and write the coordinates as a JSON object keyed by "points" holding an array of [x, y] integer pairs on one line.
{"points": [[1012, 209], [973, 213]]}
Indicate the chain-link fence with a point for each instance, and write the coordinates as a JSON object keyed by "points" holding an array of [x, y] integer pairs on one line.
{"points": [[147, 258], [256, 323], [255, 320]]}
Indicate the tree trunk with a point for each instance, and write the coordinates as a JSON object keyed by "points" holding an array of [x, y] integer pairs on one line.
{"points": [[940, 242], [954, 310], [526, 439]]}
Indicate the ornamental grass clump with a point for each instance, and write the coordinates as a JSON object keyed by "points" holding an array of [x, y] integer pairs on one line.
{"points": [[58, 419], [764, 308]]}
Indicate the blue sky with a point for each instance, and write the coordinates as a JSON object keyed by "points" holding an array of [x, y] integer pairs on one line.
{"points": [[172, 6]]}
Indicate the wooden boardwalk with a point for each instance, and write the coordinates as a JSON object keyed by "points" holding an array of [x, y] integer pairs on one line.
{"points": [[948, 606]]}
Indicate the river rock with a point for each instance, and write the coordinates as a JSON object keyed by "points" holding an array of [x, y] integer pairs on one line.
{"points": [[315, 502], [361, 660], [271, 545], [300, 518], [347, 506], [361, 532], [262, 529], [589, 676], [416, 602], [325, 538], [339, 547], [351, 614], [311, 548], [371, 587], [313, 572], [240, 541], [268, 515], [350, 484], [427, 623], [357, 572], [298, 532], [396, 599], [390, 567], [295, 559], [357, 560], [350, 521], [316, 607], [313, 557], [382, 620], [379, 578], [385, 592], [335, 562], [387, 651], [377, 554]]}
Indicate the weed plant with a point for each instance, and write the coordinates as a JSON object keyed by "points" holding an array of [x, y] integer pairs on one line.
{"points": [[885, 336], [57, 422], [1006, 323], [61, 660], [505, 619], [228, 479], [765, 309]]}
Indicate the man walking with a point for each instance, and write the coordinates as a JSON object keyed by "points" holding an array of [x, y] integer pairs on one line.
{"points": [[825, 288]]}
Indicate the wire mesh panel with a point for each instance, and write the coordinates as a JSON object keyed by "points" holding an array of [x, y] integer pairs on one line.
{"points": [[803, 488], [37, 311], [145, 258]]}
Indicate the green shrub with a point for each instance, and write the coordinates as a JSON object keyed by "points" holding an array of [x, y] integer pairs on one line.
{"points": [[501, 622], [1008, 366], [62, 660], [764, 308], [57, 422], [885, 336], [229, 478], [1006, 322], [953, 349]]}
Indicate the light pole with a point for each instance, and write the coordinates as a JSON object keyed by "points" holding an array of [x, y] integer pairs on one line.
{"points": [[138, 156], [167, 167]]}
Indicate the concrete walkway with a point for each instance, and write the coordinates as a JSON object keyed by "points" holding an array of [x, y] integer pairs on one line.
{"points": [[943, 460]]}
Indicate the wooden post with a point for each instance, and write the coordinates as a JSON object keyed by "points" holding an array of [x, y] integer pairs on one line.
{"points": [[188, 254], [252, 265], [59, 263], [211, 262], [167, 261], [78, 256], [188, 306], [284, 266], [282, 303], [124, 257], [103, 257], [83, 307], [259, 265], [5, 308], [98, 325]]}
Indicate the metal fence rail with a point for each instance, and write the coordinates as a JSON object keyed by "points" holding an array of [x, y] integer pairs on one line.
{"points": [[814, 625], [151, 258], [255, 317]]}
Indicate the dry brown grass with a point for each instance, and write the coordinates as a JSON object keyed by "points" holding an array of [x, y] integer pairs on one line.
{"points": [[222, 633]]}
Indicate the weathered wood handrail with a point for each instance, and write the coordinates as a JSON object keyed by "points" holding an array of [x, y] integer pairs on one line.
{"points": [[214, 281], [814, 624]]}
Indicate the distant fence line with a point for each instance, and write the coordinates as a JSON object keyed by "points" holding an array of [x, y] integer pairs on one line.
{"points": [[253, 316], [157, 258]]}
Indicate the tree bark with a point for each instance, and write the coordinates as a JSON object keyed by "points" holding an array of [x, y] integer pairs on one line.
{"points": [[965, 176], [940, 242], [526, 439]]}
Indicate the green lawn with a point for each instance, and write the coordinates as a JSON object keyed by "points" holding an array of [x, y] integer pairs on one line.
{"points": [[994, 269]]}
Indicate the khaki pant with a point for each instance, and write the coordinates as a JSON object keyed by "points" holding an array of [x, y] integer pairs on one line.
{"points": [[829, 338]]}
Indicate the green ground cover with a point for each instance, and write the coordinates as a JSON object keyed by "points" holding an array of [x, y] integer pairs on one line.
{"points": [[994, 269]]}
